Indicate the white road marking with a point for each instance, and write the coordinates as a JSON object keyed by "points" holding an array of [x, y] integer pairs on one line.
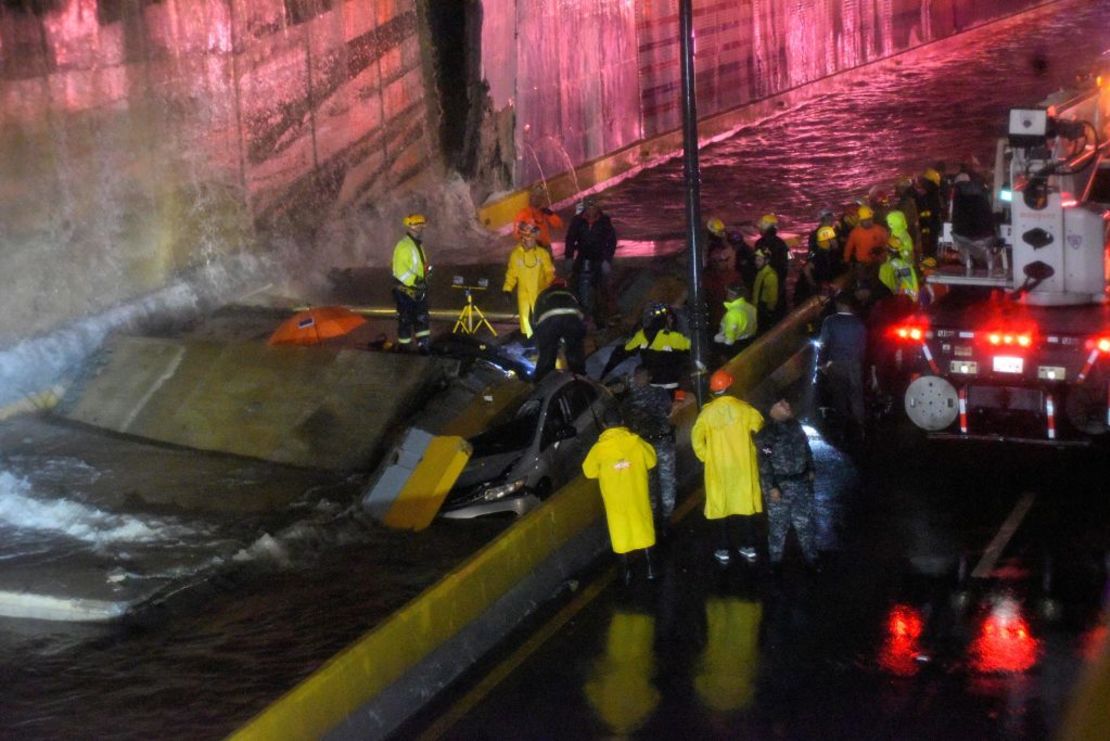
{"points": [[990, 557]]}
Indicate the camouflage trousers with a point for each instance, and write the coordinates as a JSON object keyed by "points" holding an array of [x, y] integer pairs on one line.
{"points": [[663, 479], [797, 507]]}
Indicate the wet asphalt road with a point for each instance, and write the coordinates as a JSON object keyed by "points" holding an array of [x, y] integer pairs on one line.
{"points": [[926, 622]]}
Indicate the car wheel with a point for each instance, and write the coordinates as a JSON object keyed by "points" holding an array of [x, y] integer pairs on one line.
{"points": [[543, 489]]}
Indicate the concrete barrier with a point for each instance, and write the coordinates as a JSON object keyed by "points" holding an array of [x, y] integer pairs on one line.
{"points": [[374, 685], [316, 407]]}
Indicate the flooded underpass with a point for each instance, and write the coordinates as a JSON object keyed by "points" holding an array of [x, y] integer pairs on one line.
{"points": [[202, 663]]}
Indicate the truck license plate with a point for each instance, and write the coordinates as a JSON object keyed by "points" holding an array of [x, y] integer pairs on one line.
{"points": [[1008, 364]]}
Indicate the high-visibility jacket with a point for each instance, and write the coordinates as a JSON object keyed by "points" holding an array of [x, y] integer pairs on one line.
{"points": [[739, 321], [620, 460], [409, 265], [866, 244], [899, 276], [545, 219], [899, 230], [666, 356], [722, 439], [766, 290], [529, 272]]}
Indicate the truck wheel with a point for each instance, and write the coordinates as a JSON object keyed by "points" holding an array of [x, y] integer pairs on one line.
{"points": [[932, 403]]}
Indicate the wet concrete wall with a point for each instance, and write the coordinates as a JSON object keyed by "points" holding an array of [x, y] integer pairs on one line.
{"points": [[588, 78], [140, 137]]}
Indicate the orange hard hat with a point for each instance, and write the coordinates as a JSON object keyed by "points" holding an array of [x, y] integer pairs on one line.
{"points": [[720, 381]]}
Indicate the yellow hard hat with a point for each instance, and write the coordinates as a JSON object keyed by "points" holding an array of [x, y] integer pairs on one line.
{"points": [[826, 234], [767, 220], [716, 226], [865, 212], [931, 175], [929, 263], [414, 220]]}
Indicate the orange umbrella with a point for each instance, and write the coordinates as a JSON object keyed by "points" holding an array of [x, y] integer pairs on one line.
{"points": [[313, 326]]}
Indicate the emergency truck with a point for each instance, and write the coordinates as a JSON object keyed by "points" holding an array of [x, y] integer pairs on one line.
{"points": [[1023, 352]]}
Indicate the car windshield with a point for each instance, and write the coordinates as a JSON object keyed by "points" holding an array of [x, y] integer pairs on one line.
{"points": [[507, 435]]}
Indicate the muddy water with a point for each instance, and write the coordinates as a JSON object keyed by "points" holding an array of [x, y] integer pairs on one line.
{"points": [[203, 665]]}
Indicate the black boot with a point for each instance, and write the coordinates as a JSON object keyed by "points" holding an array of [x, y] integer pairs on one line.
{"points": [[626, 569], [650, 566]]}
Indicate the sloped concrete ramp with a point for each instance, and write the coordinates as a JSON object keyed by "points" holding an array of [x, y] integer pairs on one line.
{"points": [[316, 407]]}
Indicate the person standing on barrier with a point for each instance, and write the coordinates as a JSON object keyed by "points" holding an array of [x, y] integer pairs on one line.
{"points": [[786, 475], [647, 411], [840, 358], [591, 245], [722, 439], [530, 271], [410, 286], [620, 461], [557, 320]]}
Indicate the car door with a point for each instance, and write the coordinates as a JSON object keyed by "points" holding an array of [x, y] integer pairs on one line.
{"points": [[558, 449]]}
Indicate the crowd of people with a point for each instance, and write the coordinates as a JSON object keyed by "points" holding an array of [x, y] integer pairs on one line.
{"points": [[885, 242]]}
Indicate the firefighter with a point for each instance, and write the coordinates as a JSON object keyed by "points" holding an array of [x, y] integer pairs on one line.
{"points": [[530, 271], [840, 358], [591, 245], [740, 323], [765, 294], [899, 231], [538, 212], [720, 273], [647, 411], [663, 349], [930, 211], [557, 319], [620, 460], [410, 286], [778, 254], [907, 204], [786, 475], [722, 440], [866, 246]]}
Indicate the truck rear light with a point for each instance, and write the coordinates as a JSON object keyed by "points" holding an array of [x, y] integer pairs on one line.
{"points": [[909, 332], [1102, 344], [1010, 339]]}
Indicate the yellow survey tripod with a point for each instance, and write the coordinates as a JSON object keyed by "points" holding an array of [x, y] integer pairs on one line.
{"points": [[471, 318]]}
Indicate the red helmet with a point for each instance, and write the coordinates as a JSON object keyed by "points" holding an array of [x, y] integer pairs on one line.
{"points": [[720, 381]]}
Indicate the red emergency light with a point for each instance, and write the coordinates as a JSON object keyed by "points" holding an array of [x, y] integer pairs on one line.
{"points": [[1009, 337], [1101, 343], [1004, 642], [913, 331]]}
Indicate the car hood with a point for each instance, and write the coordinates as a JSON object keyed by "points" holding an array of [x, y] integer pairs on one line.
{"points": [[486, 468]]}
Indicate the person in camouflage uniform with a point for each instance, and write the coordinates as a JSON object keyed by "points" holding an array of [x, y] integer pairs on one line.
{"points": [[647, 412], [786, 474]]}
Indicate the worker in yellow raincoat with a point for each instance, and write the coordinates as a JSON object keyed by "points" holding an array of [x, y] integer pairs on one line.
{"points": [[722, 439], [530, 271], [620, 460]]}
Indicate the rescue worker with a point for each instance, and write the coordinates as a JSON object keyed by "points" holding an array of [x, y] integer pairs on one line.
{"points": [[557, 319], [722, 440], [866, 246], [906, 203], [591, 245], [530, 271], [765, 294], [647, 412], [663, 349], [973, 222], [930, 211], [897, 273], [620, 461], [820, 266], [410, 286], [900, 236], [538, 212], [720, 273], [840, 358], [739, 325], [778, 255], [786, 475]]}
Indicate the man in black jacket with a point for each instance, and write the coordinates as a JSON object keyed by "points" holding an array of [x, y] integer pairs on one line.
{"points": [[843, 349], [973, 221], [557, 318], [591, 244]]}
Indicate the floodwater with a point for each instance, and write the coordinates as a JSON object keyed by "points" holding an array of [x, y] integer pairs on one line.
{"points": [[205, 664]]}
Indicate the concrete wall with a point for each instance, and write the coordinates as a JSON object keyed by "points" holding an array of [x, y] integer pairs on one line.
{"points": [[141, 137]]}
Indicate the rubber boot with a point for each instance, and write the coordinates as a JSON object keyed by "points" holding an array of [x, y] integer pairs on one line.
{"points": [[650, 566], [626, 569]]}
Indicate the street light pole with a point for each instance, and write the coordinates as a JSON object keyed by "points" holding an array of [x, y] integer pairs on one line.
{"points": [[700, 339]]}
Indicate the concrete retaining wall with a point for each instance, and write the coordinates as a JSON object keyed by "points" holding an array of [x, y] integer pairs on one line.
{"points": [[375, 684]]}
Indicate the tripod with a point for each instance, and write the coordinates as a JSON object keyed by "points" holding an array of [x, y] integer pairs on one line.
{"points": [[471, 319]]}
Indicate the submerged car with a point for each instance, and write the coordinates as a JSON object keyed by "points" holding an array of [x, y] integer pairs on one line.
{"points": [[531, 449]]}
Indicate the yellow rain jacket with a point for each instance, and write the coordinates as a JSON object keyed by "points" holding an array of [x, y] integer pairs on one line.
{"points": [[739, 321], [766, 291], [899, 276], [529, 271], [900, 231], [620, 685], [620, 459], [726, 673], [722, 439], [409, 265]]}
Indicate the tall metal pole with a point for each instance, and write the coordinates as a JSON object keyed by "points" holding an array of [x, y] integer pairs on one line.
{"points": [[700, 339]]}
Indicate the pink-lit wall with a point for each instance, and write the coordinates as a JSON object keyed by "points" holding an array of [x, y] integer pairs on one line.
{"points": [[593, 76]]}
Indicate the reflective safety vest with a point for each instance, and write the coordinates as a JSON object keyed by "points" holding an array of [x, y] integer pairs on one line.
{"points": [[739, 322], [766, 291], [409, 265], [665, 341], [899, 276]]}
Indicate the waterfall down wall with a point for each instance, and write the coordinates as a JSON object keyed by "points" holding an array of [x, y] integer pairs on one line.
{"points": [[141, 137], [591, 77]]}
